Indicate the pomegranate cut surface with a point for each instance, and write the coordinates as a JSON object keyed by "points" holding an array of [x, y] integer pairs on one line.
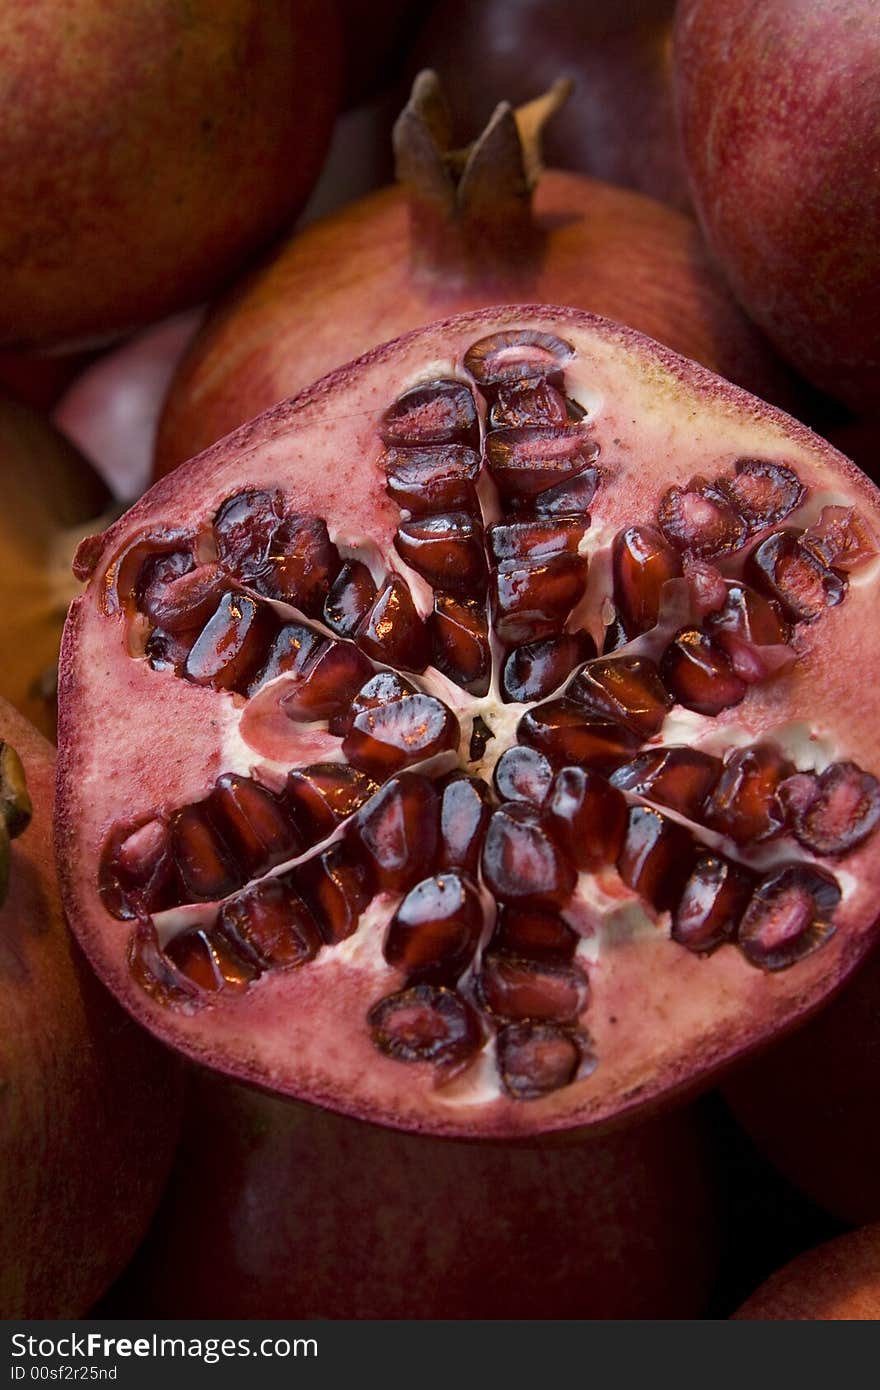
{"points": [[351, 807]]}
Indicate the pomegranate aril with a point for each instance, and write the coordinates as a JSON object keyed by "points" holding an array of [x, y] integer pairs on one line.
{"points": [[745, 804], [615, 637], [712, 904], [535, 1059], [204, 863], [698, 674], [243, 529], [587, 817], [136, 868], [434, 933], [790, 915], [746, 622], [387, 739], [301, 564], [158, 571], [563, 731], [351, 595], [522, 774], [294, 650], [763, 492], [253, 823], [438, 479], [439, 412], [678, 777], [537, 669], [572, 497], [321, 796], [525, 462], [446, 549], [528, 402], [532, 539], [392, 631], [840, 538], [625, 689], [516, 989], [533, 934], [701, 520], [383, 688], [398, 831], [533, 601], [188, 601], [793, 575], [521, 862], [336, 889], [642, 562], [168, 651], [459, 632], [232, 645], [464, 815], [210, 961], [656, 858], [837, 810], [329, 685], [516, 354], [425, 1023], [272, 923]]}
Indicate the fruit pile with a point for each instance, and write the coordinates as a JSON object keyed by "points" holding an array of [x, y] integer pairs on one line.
{"points": [[468, 701]]}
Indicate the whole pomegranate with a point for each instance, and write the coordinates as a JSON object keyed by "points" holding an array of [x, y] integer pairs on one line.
{"points": [[91, 1106], [463, 228], [779, 108], [471, 745], [838, 1281], [151, 148]]}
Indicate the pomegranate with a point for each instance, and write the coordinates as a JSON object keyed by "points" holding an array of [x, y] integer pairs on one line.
{"points": [[221, 115], [91, 1106], [779, 109], [358, 700], [462, 229], [620, 124], [838, 1281], [281, 1210]]}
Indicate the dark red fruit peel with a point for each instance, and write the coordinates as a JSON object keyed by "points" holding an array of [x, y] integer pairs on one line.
{"points": [[649, 417]]}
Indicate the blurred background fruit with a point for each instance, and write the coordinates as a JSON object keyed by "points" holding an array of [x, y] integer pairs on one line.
{"points": [[838, 1281]]}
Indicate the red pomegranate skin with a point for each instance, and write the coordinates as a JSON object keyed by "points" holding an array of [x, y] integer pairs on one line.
{"points": [[91, 1106], [779, 111], [600, 248], [280, 1210], [221, 115], [837, 1282]]}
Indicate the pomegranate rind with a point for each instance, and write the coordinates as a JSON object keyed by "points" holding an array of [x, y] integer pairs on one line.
{"points": [[662, 1020]]}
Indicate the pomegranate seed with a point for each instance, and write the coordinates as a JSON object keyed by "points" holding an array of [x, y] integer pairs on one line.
{"points": [[537, 669], [562, 730], [836, 811], [439, 412], [744, 624], [586, 817], [252, 823], [656, 857], [136, 868], [763, 492], [210, 961], [398, 831], [302, 563], [393, 632], [271, 923], [516, 354], [642, 563], [712, 904], [534, 539], [167, 652], [321, 796], [459, 634], [793, 574], [243, 529], [745, 804], [329, 685], [157, 572], [232, 644], [790, 915], [351, 596], [293, 651], [534, 934], [840, 538], [464, 815], [701, 520], [572, 497], [446, 549], [516, 989], [435, 931], [521, 863], [383, 688], [519, 403], [615, 637], [336, 890], [625, 689], [698, 674], [527, 461], [522, 774], [679, 777], [535, 1059], [425, 1023], [440, 479], [203, 861], [533, 601], [387, 739]]}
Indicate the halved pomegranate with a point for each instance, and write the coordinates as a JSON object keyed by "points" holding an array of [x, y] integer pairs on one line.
{"points": [[287, 825]]}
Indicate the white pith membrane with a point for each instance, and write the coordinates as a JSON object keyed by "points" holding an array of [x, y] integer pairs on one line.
{"points": [[658, 1016]]}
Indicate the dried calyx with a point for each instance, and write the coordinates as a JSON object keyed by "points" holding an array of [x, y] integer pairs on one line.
{"points": [[526, 748]]}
